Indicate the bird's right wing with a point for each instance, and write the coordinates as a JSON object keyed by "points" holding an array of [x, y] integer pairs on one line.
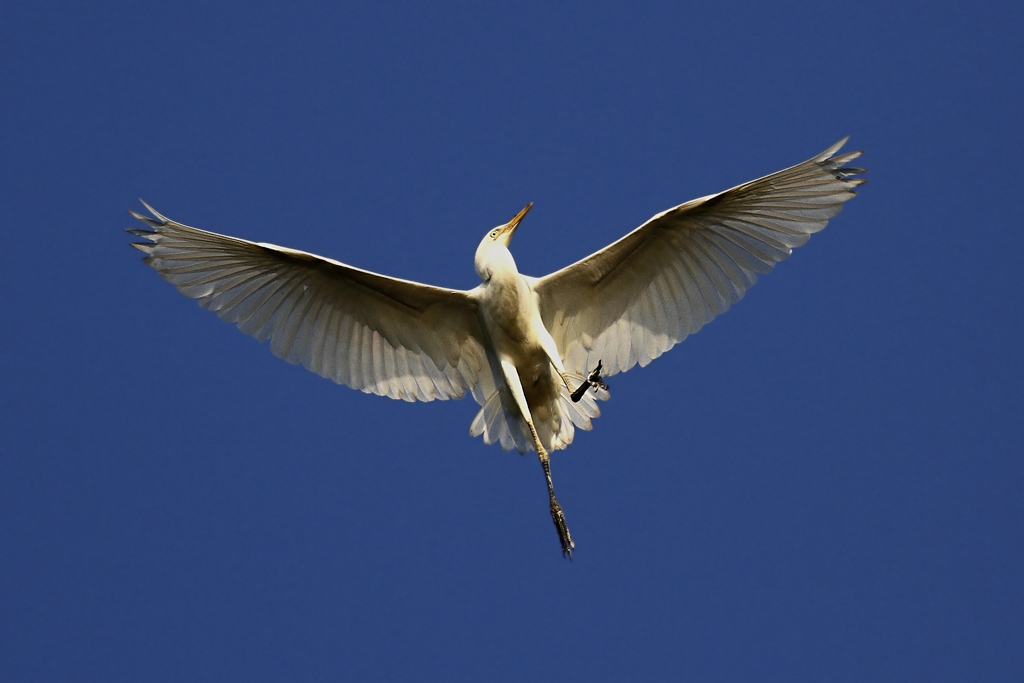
{"points": [[374, 333], [641, 295]]}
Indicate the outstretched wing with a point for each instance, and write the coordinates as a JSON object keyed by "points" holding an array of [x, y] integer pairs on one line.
{"points": [[374, 333], [640, 296]]}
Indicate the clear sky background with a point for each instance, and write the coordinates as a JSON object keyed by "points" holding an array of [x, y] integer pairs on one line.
{"points": [[825, 484]]}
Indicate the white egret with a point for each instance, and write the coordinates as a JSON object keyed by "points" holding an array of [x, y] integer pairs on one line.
{"points": [[530, 350]]}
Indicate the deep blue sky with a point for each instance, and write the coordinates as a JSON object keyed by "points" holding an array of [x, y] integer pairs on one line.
{"points": [[822, 485]]}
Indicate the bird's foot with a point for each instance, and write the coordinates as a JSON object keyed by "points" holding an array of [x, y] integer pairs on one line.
{"points": [[593, 380], [558, 517]]}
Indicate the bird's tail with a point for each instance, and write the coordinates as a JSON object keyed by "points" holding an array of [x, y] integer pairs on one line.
{"points": [[500, 422]]}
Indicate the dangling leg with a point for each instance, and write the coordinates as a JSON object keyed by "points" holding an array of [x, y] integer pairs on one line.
{"points": [[557, 516]]}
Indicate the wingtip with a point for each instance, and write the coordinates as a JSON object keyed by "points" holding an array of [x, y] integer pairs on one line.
{"points": [[828, 153], [156, 214]]}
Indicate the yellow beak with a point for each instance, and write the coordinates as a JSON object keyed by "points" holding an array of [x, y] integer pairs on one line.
{"points": [[511, 226]]}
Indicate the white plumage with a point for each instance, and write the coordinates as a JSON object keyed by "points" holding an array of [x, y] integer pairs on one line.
{"points": [[519, 344]]}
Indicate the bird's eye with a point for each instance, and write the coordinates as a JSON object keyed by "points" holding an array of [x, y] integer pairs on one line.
{"points": [[494, 233]]}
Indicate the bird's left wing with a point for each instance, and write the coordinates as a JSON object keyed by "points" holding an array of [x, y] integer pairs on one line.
{"points": [[638, 297], [374, 333]]}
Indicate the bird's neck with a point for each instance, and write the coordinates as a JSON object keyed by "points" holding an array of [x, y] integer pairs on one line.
{"points": [[497, 266]]}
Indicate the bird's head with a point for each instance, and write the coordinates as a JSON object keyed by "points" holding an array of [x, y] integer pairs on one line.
{"points": [[494, 246]]}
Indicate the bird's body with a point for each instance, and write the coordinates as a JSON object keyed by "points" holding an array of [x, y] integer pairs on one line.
{"points": [[511, 320], [530, 350]]}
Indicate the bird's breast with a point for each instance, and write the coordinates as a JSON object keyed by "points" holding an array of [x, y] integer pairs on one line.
{"points": [[509, 310]]}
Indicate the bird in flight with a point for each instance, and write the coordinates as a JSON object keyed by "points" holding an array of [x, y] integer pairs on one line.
{"points": [[532, 351]]}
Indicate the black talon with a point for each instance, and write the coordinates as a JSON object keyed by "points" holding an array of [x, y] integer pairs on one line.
{"points": [[592, 380], [595, 378]]}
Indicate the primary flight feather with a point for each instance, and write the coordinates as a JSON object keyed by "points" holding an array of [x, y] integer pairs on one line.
{"points": [[531, 351]]}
